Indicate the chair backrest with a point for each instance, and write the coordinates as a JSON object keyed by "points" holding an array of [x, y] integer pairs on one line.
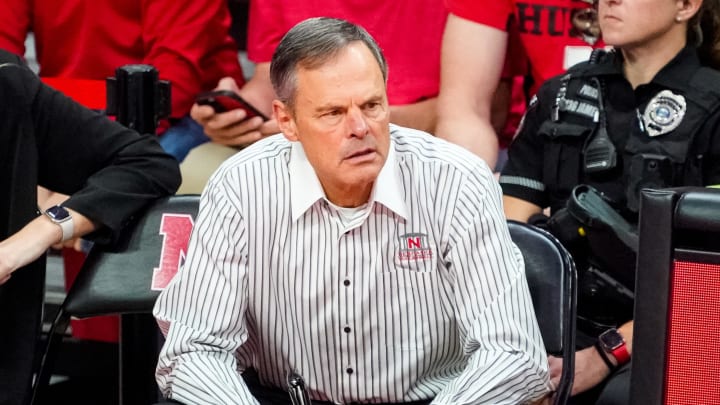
{"points": [[128, 277], [676, 355], [552, 280]]}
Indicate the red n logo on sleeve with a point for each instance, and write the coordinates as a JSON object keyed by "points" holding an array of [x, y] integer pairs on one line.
{"points": [[176, 230]]}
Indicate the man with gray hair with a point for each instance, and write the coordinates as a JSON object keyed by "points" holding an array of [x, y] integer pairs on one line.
{"points": [[372, 260]]}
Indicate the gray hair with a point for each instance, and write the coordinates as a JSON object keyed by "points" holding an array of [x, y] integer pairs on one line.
{"points": [[309, 45]]}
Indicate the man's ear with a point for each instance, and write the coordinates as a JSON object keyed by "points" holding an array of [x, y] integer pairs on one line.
{"points": [[285, 120]]}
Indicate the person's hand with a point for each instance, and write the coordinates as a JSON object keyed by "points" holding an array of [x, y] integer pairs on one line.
{"points": [[590, 370], [231, 128]]}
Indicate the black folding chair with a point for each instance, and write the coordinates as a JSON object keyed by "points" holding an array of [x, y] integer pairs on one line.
{"points": [[126, 278], [552, 280]]}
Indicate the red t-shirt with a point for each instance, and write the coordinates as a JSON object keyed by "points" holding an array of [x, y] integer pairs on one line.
{"points": [[408, 31], [187, 41], [515, 70], [551, 42]]}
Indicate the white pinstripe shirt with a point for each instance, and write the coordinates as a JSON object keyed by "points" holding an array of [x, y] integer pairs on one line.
{"points": [[423, 295]]}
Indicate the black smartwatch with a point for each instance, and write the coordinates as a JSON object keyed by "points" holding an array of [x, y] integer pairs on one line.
{"points": [[612, 343], [61, 216]]}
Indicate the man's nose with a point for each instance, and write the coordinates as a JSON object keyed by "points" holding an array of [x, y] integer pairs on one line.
{"points": [[357, 123]]}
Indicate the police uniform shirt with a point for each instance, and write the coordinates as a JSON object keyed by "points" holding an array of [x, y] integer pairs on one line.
{"points": [[546, 157], [419, 294]]}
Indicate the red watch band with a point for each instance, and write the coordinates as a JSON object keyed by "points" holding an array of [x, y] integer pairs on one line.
{"points": [[612, 342], [621, 354]]}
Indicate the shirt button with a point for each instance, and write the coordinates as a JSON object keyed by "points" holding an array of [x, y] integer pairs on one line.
{"points": [[349, 370], [347, 329], [346, 283]]}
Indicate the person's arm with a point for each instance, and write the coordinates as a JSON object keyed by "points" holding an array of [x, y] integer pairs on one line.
{"points": [[494, 311], [197, 363], [47, 199], [519, 210], [188, 41], [109, 171], [523, 177], [34, 239], [471, 64], [14, 25], [230, 128], [421, 115], [590, 368], [268, 21]]}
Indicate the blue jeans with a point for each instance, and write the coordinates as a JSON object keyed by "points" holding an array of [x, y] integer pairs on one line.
{"points": [[181, 137]]}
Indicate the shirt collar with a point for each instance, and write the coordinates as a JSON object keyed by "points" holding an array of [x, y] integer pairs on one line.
{"points": [[305, 187], [684, 64], [388, 186]]}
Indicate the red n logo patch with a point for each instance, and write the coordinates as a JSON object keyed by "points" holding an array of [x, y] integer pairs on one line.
{"points": [[176, 230], [414, 243]]}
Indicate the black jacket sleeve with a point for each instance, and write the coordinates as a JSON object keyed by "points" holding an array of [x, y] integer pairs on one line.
{"points": [[109, 171], [523, 174]]}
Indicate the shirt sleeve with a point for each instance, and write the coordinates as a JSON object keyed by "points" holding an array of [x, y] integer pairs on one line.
{"points": [[189, 41], [493, 13], [113, 171], [507, 361], [266, 26], [523, 175], [14, 25], [202, 309]]}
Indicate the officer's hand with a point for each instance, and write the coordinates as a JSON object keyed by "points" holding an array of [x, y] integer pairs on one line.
{"points": [[590, 370]]}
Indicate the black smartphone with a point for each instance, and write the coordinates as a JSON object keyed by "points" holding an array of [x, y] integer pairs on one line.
{"points": [[226, 100]]}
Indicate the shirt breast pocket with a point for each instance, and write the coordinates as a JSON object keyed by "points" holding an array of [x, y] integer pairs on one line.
{"points": [[409, 294]]}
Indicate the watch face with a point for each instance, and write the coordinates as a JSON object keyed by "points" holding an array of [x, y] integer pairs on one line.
{"points": [[611, 339], [58, 213]]}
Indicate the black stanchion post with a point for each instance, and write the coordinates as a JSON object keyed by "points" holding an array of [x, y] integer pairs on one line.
{"points": [[138, 100]]}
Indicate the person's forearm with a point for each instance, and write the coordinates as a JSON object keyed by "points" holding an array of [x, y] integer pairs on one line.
{"points": [[626, 331], [258, 91], [34, 239], [473, 133], [519, 210], [469, 75], [421, 115]]}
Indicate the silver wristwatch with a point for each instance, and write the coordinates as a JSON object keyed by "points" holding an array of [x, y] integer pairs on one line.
{"points": [[61, 216]]}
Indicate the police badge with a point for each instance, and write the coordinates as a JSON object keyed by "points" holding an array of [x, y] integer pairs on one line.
{"points": [[664, 113]]}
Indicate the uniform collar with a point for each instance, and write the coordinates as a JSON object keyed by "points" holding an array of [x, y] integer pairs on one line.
{"points": [[677, 73], [306, 190], [683, 65]]}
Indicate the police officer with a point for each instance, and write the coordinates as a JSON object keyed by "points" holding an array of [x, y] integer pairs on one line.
{"points": [[646, 114]]}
